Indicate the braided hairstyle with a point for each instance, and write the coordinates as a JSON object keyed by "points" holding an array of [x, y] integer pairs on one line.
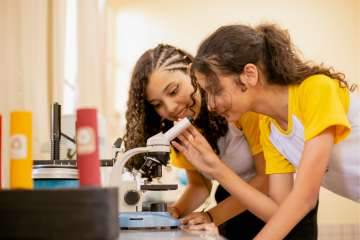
{"points": [[142, 121]]}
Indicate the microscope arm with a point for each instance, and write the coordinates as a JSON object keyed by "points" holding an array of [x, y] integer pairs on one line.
{"points": [[120, 163]]}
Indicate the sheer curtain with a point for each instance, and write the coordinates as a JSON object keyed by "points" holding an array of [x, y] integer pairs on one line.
{"points": [[32, 46], [95, 65], [31, 66]]}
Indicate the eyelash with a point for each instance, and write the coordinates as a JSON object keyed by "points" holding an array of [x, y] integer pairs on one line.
{"points": [[175, 90], [172, 93]]}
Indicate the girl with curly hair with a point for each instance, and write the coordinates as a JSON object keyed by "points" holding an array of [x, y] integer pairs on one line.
{"points": [[310, 122], [161, 93]]}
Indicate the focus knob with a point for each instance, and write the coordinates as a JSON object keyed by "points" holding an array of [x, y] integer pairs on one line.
{"points": [[158, 207], [132, 197]]}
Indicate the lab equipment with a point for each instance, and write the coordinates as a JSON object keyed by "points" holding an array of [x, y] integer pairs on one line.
{"points": [[87, 147], [130, 198], [21, 150], [59, 172], [89, 212]]}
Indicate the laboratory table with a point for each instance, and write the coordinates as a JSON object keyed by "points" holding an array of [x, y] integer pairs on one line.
{"points": [[167, 234]]}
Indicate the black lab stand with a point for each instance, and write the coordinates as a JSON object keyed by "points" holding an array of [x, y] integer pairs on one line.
{"points": [[82, 213]]}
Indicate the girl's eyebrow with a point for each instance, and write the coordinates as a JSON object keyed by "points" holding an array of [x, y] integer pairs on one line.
{"points": [[167, 86]]}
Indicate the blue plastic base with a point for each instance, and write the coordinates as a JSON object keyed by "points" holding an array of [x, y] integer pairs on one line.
{"points": [[147, 219]]}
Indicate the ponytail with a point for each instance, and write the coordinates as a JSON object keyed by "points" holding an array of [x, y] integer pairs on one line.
{"points": [[267, 46]]}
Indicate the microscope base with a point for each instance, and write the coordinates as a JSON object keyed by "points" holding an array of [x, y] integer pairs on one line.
{"points": [[147, 219]]}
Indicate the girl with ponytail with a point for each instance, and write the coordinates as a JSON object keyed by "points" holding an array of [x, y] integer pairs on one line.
{"points": [[310, 122], [160, 93]]}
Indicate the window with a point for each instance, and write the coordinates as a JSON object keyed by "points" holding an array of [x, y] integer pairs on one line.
{"points": [[71, 59]]}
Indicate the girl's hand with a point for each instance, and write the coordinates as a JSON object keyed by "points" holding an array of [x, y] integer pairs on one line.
{"points": [[197, 151], [196, 218], [173, 212], [206, 226]]}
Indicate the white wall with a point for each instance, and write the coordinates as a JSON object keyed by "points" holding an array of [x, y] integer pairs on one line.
{"points": [[325, 30]]}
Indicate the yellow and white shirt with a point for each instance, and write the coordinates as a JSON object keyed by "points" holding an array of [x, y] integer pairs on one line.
{"points": [[314, 105], [237, 148]]}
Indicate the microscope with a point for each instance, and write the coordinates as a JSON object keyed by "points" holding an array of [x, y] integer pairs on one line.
{"points": [[157, 152]]}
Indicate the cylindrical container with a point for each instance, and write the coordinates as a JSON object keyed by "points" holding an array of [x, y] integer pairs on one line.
{"points": [[55, 176], [21, 150], [87, 147]]}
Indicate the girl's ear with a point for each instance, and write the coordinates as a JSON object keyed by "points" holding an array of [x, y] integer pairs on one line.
{"points": [[251, 74]]}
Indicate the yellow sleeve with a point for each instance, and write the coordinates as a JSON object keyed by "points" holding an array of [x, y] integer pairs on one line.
{"points": [[180, 161], [323, 103], [275, 161], [249, 125]]}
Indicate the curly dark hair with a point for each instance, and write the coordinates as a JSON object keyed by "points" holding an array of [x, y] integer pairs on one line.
{"points": [[142, 121], [267, 46]]}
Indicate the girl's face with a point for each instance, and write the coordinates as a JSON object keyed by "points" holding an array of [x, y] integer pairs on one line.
{"points": [[231, 101], [169, 92]]}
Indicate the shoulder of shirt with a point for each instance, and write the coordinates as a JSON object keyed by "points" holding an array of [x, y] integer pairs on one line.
{"points": [[318, 81]]}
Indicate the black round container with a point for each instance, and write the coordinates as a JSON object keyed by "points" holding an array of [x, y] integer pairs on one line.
{"points": [[158, 207]]}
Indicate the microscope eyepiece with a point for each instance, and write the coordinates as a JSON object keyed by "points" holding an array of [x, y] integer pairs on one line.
{"points": [[160, 156], [191, 120], [176, 130]]}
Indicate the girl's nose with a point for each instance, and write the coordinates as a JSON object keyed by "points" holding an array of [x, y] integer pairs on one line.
{"points": [[171, 106]]}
